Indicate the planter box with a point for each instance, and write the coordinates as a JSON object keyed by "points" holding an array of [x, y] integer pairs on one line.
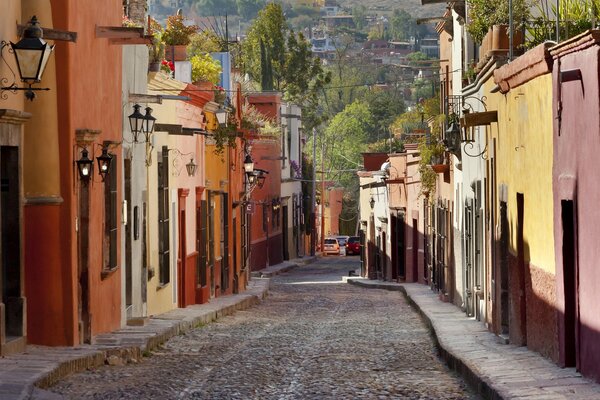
{"points": [[440, 168], [176, 53]]}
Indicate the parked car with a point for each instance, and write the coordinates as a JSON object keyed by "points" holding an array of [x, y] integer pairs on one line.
{"points": [[331, 246], [353, 245]]}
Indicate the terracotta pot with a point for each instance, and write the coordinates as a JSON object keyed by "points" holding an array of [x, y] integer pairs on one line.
{"points": [[176, 52], [439, 168], [500, 38]]}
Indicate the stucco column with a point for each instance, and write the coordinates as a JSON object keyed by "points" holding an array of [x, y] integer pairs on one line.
{"points": [[41, 177]]}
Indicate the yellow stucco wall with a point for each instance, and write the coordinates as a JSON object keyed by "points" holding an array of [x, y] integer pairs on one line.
{"points": [[160, 298], [524, 157]]}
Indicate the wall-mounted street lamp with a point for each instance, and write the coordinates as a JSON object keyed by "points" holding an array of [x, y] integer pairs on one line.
{"points": [[248, 164], [191, 167], [136, 122], [85, 166], [31, 56], [149, 121], [372, 203], [104, 161], [222, 115], [140, 123]]}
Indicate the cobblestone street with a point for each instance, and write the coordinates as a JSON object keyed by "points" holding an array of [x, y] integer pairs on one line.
{"points": [[314, 337]]}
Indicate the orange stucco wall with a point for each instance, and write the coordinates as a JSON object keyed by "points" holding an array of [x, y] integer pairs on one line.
{"points": [[88, 93]]}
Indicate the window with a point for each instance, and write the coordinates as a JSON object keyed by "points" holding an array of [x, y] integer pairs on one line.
{"points": [[110, 217], [164, 266]]}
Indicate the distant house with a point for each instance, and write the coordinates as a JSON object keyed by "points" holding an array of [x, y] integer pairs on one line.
{"points": [[335, 21], [430, 47], [330, 10], [401, 48]]}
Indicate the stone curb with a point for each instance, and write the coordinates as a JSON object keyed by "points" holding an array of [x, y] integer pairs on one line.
{"points": [[120, 347], [285, 266]]}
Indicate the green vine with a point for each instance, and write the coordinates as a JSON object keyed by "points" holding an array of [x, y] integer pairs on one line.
{"points": [[224, 136]]}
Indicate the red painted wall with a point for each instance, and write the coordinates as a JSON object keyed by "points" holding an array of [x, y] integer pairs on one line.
{"points": [[575, 178], [265, 152]]}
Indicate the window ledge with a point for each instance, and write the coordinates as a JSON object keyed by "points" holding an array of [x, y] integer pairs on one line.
{"points": [[108, 272]]}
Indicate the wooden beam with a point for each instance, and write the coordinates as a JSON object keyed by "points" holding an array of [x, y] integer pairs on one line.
{"points": [[52, 34], [432, 19], [142, 40], [172, 129], [119, 32], [145, 98], [479, 118]]}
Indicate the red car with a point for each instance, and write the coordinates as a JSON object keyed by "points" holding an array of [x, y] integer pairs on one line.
{"points": [[353, 245]]}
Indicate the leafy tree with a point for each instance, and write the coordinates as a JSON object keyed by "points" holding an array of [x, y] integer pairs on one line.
{"points": [[282, 60], [302, 22], [385, 106], [248, 9], [215, 7], [402, 25], [271, 28], [205, 41], [423, 89], [483, 14], [416, 57], [359, 16], [344, 139]]}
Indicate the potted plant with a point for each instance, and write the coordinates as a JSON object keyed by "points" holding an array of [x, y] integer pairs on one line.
{"points": [[177, 36], [156, 50], [484, 14]]}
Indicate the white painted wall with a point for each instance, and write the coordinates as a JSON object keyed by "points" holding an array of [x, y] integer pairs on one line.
{"points": [[135, 70]]}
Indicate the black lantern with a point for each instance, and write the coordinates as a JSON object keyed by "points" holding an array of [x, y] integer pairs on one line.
{"points": [[32, 52], [248, 164], [251, 177], [221, 115], [136, 122], [85, 166], [31, 56], [104, 161], [148, 124], [191, 168], [261, 180], [372, 202], [453, 139]]}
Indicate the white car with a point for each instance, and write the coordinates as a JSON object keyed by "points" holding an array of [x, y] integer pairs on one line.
{"points": [[331, 246]]}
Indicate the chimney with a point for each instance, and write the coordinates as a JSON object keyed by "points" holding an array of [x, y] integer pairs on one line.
{"points": [[136, 10]]}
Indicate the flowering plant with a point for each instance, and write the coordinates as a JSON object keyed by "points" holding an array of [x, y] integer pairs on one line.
{"points": [[177, 32], [167, 67]]}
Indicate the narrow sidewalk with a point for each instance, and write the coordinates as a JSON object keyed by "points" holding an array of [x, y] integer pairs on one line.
{"points": [[495, 370], [25, 375], [285, 266]]}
